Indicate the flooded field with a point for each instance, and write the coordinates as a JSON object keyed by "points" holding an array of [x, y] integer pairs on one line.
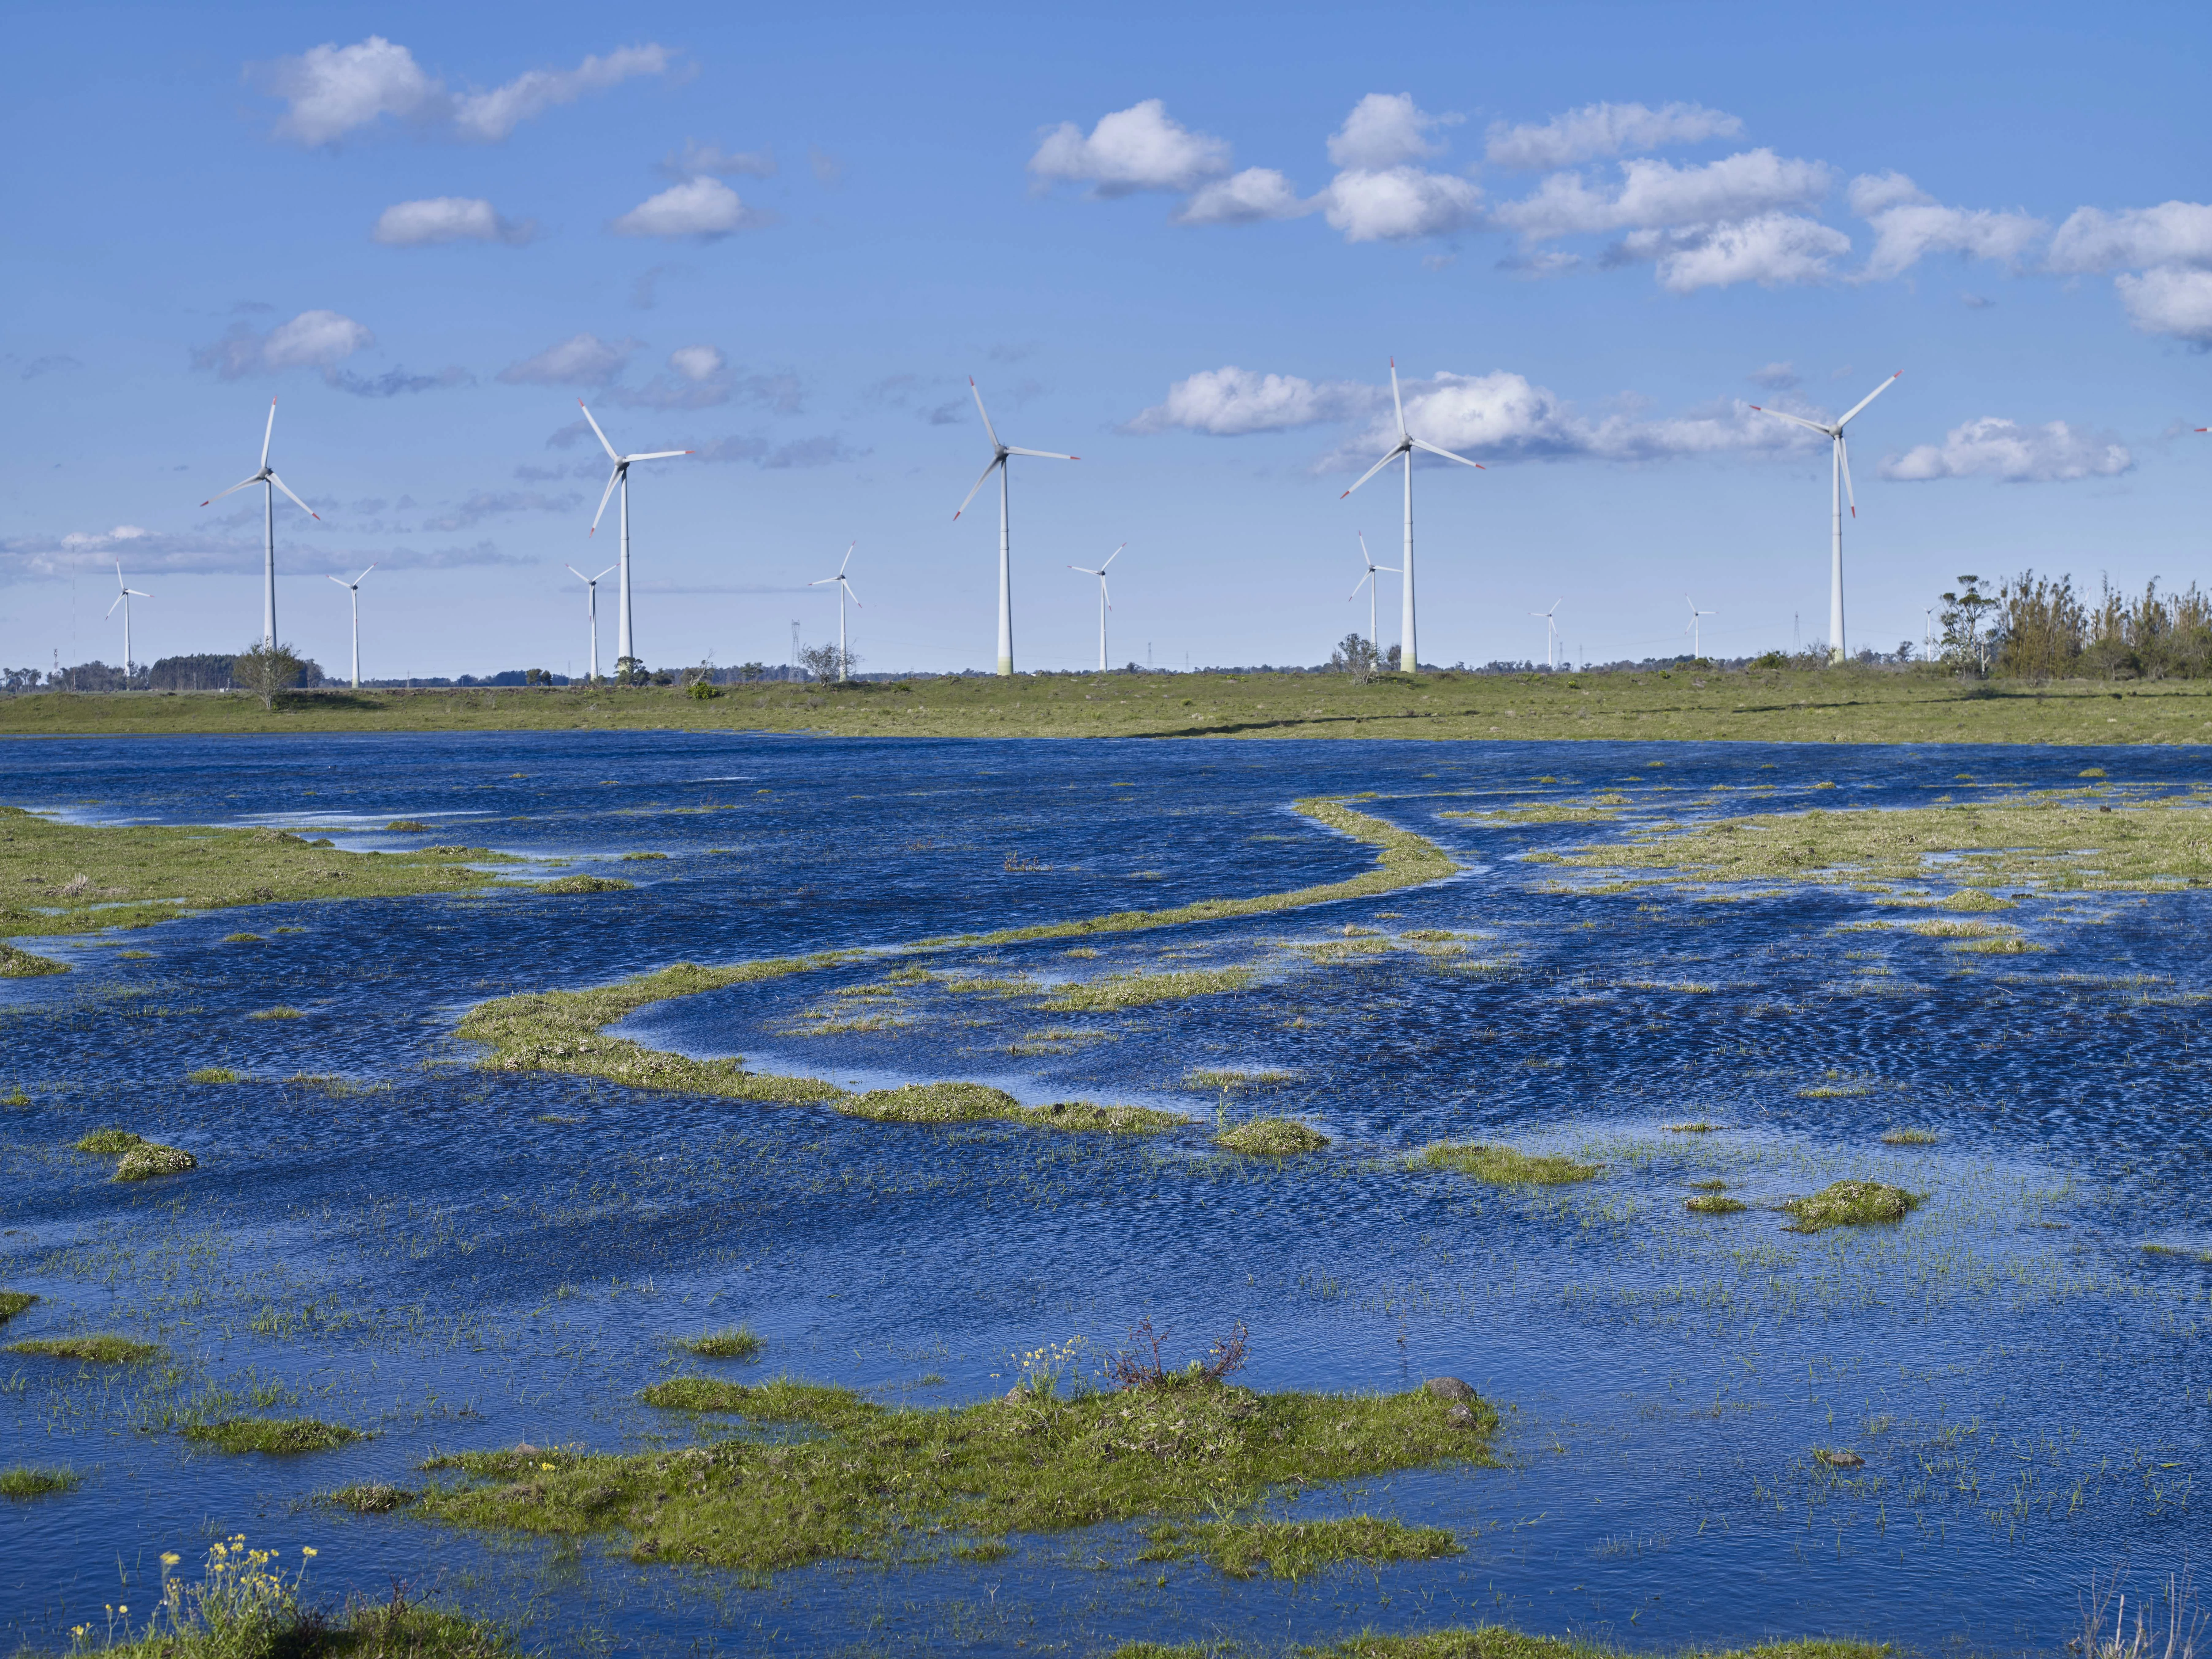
{"points": [[1716, 1425]]}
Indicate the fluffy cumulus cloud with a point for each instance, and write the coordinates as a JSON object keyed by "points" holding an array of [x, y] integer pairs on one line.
{"points": [[701, 209], [1229, 402], [1909, 224], [2171, 233], [1656, 194], [579, 360], [1993, 447], [1773, 250], [313, 339], [1386, 130], [330, 91], [1597, 131], [2170, 300], [1244, 198], [1141, 147], [449, 219], [1398, 203]]}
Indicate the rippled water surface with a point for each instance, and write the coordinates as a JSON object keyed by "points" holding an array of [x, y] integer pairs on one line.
{"points": [[380, 1235]]}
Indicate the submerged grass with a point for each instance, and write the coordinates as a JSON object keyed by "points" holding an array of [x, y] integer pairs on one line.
{"points": [[96, 1350], [1138, 989], [877, 1483], [214, 1074], [738, 1342], [1502, 1165], [12, 1302], [1295, 1549], [36, 1483], [1850, 1203], [970, 1102], [278, 1437], [1271, 1137]]}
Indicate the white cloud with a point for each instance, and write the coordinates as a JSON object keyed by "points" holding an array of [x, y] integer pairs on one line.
{"points": [[696, 363], [1870, 192], [2171, 233], [1993, 447], [449, 219], [1771, 250], [162, 553], [1141, 147], [1246, 199], [1399, 203], [331, 91], [1909, 224], [1385, 129], [1230, 402], [2170, 300], [1603, 130], [313, 339], [1657, 194], [696, 158], [700, 377], [579, 360], [703, 208]]}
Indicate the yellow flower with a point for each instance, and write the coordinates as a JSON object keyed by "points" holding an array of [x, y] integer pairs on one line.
{"points": [[307, 1549], [544, 1466], [170, 1558]]}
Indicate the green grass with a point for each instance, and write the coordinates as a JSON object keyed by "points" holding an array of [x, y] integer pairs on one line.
{"points": [[870, 1482], [23, 964], [277, 1437], [586, 885], [736, 1343], [640, 858], [1295, 1549], [148, 1160], [1700, 1127], [1271, 1137], [1910, 1137], [293, 1627], [108, 1143], [244, 938], [1494, 1641], [971, 1103], [1208, 1078], [281, 1011], [1850, 1203], [371, 1498], [1714, 1204], [35, 1483], [1502, 1165], [12, 1302], [96, 1350], [214, 1074], [1139, 989]]}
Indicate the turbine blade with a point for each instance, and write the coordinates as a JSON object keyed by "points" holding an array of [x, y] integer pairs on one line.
{"points": [[1797, 419], [1869, 398], [1417, 444], [1843, 456], [111, 609], [997, 461], [268, 432], [613, 478], [1110, 558], [1043, 454], [1400, 403], [1361, 583], [989, 430], [855, 598], [572, 571], [1365, 558], [604, 575], [657, 455], [847, 560], [1371, 472], [600, 435], [233, 490], [357, 580], [296, 502], [824, 582], [340, 580]]}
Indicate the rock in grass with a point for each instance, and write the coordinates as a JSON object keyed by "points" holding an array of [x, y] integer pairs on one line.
{"points": [[587, 884], [1271, 1137], [108, 1143], [21, 964], [147, 1159], [35, 1483], [1503, 1166], [278, 1437], [1850, 1203], [99, 1350], [1449, 1388], [12, 1302]]}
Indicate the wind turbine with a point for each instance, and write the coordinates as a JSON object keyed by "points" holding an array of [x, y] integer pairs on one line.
{"points": [[1369, 582], [123, 597], [1697, 635], [1409, 658], [353, 588], [1839, 486], [621, 477], [999, 453], [270, 483], [844, 589], [590, 608], [1551, 633], [1104, 604]]}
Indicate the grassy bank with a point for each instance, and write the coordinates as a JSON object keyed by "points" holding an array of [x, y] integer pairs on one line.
{"points": [[1846, 705]]}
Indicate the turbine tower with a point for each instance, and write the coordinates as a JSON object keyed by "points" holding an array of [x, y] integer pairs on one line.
{"points": [[1104, 604], [999, 453], [1409, 658], [590, 608], [1697, 637], [270, 483], [1372, 586], [621, 477], [123, 598], [1839, 488], [1550, 633], [844, 592], [353, 588]]}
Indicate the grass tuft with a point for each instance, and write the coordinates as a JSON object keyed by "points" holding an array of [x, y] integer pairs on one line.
{"points": [[12, 1302], [21, 1482], [1850, 1203], [278, 1437], [214, 1074], [736, 1343], [1295, 1549], [1910, 1137], [1271, 1137], [96, 1350], [281, 1011], [1714, 1204], [586, 885], [108, 1143], [371, 1498], [1138, 989], [1503, 1166], [243, 938], [1205, 1079], [1700, 1127]]}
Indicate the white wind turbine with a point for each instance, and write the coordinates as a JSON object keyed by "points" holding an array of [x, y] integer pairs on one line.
{"points": [[353, 588], [270, 483], [999, 453], [1551, 633], [1839, 486], [844, 592], [1409, 656], [1697, 637], [1104, 604], [621, 477], [590, 608], [1372, 586], [123, 597]]}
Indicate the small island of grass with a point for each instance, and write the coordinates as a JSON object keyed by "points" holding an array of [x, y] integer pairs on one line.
{"points": [[94, 1350], [1295, 1549], [1502, 1165], [1271, 1137], [21, 1483], [736, 1343], [277, 1437], [1850, 1203]]}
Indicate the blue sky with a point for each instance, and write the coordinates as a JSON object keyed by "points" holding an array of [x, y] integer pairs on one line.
{"points": [[1181, 243]]}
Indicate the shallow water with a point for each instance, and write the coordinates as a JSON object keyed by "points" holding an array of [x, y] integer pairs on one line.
{"points": [[380, 1236]]}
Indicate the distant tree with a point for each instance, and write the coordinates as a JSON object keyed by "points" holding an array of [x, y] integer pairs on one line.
{"points": [[265, 670], [22, 679], [629, 670], [751, 670], [821, 661], [1355, 655], [1966, 645]]}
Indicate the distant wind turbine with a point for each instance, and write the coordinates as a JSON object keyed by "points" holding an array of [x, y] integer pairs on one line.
{"points": [[353, 588], [590, 608], [1104, 604], [621, 477], [1409, 657], [1697, 636], [1551, 633], [270, 483], [844, 592], [1372, 586], [1839, 488], [123, 598], [999, 453]]}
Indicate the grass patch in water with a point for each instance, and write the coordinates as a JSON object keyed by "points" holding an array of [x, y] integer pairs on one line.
{"points": [[149, 1158], [1851, 1204], [1271, 1137], [2011, 945], [1138, 989], [735, 1343], [1972, 898], [974, 1102], [586, 885], [1503, 1166], [1959, 929], [370, 1497], [1714, 1204], [94, 1350], [281, 1011], [278, 1437], [21, 1483], [109, 1143], [1910, 1137], [1490, 1642], [214, 1074], [1206, 1078], [1700, 1127], [1544, 813], [12, 1302], [23, 964], [406, 827], [2176, 1253], [640, 858], [243, 938], [1295, 1549], [878, 1483]]}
